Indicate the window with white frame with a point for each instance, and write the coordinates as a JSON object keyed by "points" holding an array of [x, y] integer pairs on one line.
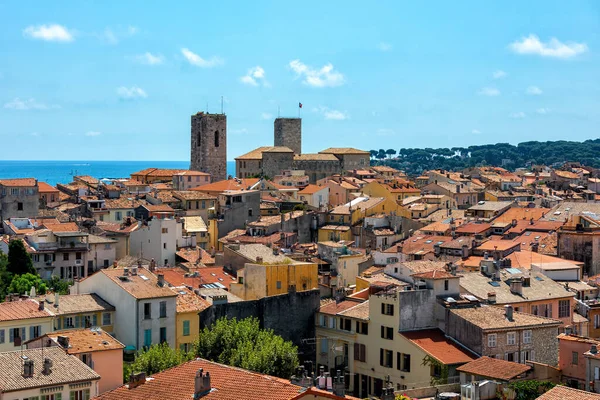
{"points": [[492, 340], [526, 336], [511, 338]]}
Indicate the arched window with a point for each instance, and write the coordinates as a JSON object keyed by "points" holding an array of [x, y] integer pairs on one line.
{"points": [[216, 138]]}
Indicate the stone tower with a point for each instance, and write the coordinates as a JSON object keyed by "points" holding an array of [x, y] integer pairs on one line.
{"points": [[209, 145], [288, 133]]}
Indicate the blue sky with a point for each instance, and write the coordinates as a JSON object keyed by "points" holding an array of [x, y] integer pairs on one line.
{"points": [[119, 80]]}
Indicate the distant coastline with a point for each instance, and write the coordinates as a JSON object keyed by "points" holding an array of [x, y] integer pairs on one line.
{"points": [[53, 172]]}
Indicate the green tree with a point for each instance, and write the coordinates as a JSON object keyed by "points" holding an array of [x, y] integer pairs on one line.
{"points": [[23, 283], [373, 153], [58, 285], [530, 389], [390, 152], [243, 344], [5, 276], [156, 358], [19, 260]]}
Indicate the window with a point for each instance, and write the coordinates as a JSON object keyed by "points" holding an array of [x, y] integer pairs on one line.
{"points": [[186, 328], [65, 256], [346, 324], [17, 335], [385, 358], [596, 373], [163, 334], [2, 338], [332, 323], [198, 139], [165, 230], [446, 283], [406, 362], [526, 336], [203, 204], [106, 263], [19, 206], [14, 192], [564, 308], [197, 204], [511, 338], [324, 348], [106, 319], [534, 310], [147, 311], [164, 245], [78, 255], [574, 357], [360, 352], [387, 309], [55, 396], [387, 332], [216, 138], [87, 359], [362, 328], [35, 331], [163, 309], [492, 340], [249, 212], [69, 322], [118, 215], [278, 284], [147, 337]]}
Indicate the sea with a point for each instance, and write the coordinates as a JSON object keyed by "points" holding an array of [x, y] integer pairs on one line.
{"points": [[53, 172]]}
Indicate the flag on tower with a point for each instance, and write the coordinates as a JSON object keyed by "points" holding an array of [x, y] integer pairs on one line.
{"points": [[300, 105]]}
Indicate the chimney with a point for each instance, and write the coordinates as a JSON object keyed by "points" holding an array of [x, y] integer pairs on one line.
{"points": [[28, 368], [491, 297], [516, 286], [201, 384], [125, 271], [56, 296], [465, 251], [338, 385], [508, 311], [161, 280], [137, 379], [259, 260], [457, 188], [47, 369], [134, 271], [594, 349], [41, 305], [152, 265]]}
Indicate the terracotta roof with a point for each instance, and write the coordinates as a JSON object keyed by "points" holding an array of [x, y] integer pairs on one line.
{"points": [[343, 150], [334, 308], [43, 187], [567, 393], [311, 189], [65, 369], [132, 182], [22, 309], [472, 227], [87, 340], [136, 285], [435, 343], [188, 301], [494, 368], [62, 227], [494, 318], [194, 255], [436, 274], [341, 228], [197, 277], [499, 245], [227, 383], [256, 154], [76, 303], [158, 172], [520, 213], [122, 202], [18, 182], [315, 157], [193, 173], [193, 195], [566, 174], [229, 184], [158, 207], [359, 311]]}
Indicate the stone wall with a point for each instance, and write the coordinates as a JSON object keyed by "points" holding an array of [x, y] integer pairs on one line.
{"points": [[318, 169], [274, 162], [289, 315], [209, 144], [466, 333], [288, 133], [417, 310], [429, 391], [354, 161], [237, 215], [248, 168], [9, 204]]}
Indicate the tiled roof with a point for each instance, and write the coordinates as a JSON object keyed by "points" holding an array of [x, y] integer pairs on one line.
{"points": [[87, 340], [423, 266], [65, 369], [491, 206], [567, 393], [494, 318], [22, 309], [122, 203], [86, 179], [159, 172], [434, 343], [188, 301], [359, 311], [472, 227], [136, 285], [315, 157], [333, 307], [95, 239], [252, 251], [43, 187], [133, 182], [192, 195], [227, 383], [61, 227], [255, 154], [76, 303], [196, 276], [437, 274], [343, 150], [497, 244], [494, 368], [341, 228], [522, 213], [229, 184], [158, 208], [18, 182], [579, 339], [311, 189]]}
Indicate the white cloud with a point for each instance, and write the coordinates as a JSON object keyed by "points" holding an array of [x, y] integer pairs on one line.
{"points": [[330, 114], [499, 74], [149, 58], [49, 33], [324, 77], [198, 61], [132, 30], [109, 36], [239, 131], [553, 48], [93, 133], [517, 115], [534, 91], [133, 92], [266, 116], [384, 46], [489, 91], [255, 77], [28, 104], [542, 110], [475, 131]]}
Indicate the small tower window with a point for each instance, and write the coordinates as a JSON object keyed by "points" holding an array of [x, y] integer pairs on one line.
{"points": [[216, 138], [199, 139]]}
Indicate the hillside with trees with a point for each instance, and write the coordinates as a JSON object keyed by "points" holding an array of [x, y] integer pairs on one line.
{"points": [[414, 161]]}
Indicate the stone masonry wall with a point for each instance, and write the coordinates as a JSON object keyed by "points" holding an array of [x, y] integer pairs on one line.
{"points": [[288, 133], [316, 169], [209, 144], [273, 163]]}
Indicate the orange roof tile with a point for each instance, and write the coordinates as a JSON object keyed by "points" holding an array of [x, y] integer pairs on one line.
{"points": [[136, 285], [494, 368], [519, 213], [434, 343], [43, 187], [61, 227], [229, 184], [567, 393], [435, 274], [333, 307], [18, 182], [22, 309], [87, 340], [196, 276], [311, 189], [188, 301]]}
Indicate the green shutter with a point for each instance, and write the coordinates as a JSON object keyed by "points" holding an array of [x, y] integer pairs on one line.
{"points": [[95, 320], [77, 321], [72, 395], [58, 323]]}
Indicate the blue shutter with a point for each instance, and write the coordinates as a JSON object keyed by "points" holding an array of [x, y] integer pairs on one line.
{"points": [[2, 336], [58, 323], [95, 320], [31, 332], [23, 334], [77, 321], [11, 335]]}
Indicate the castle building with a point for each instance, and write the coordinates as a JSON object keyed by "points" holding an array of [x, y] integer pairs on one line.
{"points": [[209, 144], [286, 154]]}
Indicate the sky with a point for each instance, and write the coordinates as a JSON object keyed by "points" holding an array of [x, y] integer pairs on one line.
{"points": [[113, 80]]}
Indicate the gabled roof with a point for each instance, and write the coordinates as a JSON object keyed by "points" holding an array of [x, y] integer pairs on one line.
{"points": [[87, 340], [334, 308], [43, 187], [228, 184], [19, 182], [312, 189], [492, 318], [22, 309], [567, 393], [65, 369], [76, 303], [494, 368], [143, 285], [435, 344], [344, 150]]}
